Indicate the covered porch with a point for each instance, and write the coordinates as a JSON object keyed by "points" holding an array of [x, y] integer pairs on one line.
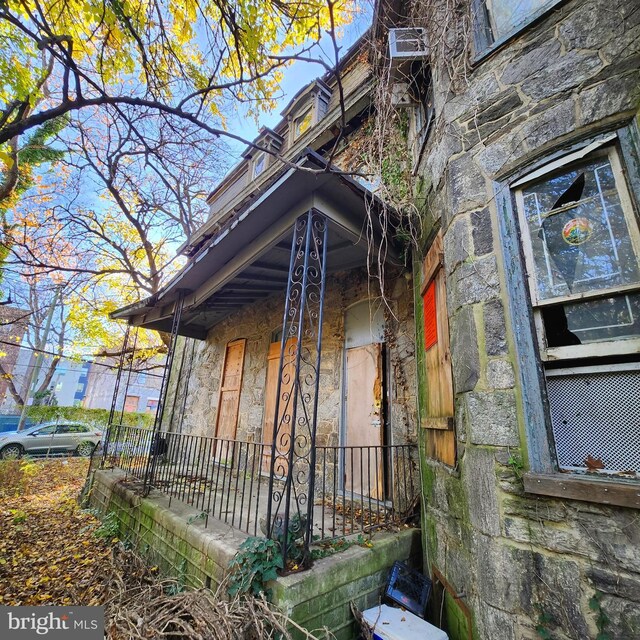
{"points": [[291, 473]]}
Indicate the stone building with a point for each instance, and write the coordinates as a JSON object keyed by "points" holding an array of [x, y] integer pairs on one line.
{"points": [[291, 379], [509, 353], [234, 286], [528, 276]]}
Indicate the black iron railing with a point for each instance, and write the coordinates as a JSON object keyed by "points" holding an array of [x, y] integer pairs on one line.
{"points": [[357, 489]]}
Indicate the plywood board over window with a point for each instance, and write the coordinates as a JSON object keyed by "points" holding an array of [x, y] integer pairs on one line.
{"points": [[230, 386], [438, 413], [271, 398]]}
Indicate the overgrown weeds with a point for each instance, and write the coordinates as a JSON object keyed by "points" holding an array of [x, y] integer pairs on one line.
{"points": [[16, 476]]}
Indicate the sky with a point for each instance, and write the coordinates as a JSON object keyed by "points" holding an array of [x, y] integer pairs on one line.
{"points": [[298, 75]]}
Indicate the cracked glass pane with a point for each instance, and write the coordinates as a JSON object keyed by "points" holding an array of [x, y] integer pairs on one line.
{"points": [[580, 238]]}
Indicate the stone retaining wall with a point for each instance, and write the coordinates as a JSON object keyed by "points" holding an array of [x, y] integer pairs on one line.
{"points": [[176, 541]]}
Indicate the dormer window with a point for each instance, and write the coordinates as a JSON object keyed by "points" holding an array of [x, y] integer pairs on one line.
{"points": [[259, 164], [307, 109], [259, 160], [302, 123]]}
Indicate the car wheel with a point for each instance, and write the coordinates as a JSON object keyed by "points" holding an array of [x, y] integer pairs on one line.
{"points": [[85, 449], [12, 452]]}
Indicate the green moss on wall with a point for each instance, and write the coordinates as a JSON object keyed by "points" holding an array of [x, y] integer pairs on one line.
{"points": [[456, 622]]}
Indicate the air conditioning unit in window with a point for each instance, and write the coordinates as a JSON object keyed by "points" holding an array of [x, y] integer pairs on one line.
{"points": [[408, 44]]}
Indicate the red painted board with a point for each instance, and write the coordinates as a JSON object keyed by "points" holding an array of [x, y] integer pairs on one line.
{"points": [[430, 316]]}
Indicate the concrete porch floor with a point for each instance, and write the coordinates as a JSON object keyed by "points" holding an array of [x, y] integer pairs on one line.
{"points": [[240, 501]]}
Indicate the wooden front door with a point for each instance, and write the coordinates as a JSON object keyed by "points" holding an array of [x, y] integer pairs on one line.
{"points": [[271, 394], [230, 385], [363, 468]]}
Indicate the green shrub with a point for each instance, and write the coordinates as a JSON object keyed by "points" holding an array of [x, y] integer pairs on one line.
{"points": [[256, 562], [109, 527], [95, 417]]}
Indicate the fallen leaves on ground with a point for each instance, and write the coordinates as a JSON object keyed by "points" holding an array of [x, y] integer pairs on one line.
{"points": [[50, 555], [48, 551]]}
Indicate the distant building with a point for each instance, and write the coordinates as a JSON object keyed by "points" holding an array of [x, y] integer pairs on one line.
{"points": [[80, 384], [140, 390], [65, 389], [13, 325]]}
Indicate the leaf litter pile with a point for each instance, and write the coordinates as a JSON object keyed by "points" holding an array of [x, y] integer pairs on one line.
{"points": [[54, 553]]}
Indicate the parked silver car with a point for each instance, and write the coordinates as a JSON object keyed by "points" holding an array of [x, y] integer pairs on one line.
{"points": [[51, 438]]}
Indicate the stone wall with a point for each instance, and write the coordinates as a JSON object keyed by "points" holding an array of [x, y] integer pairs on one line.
{"points": [[522, 562], [258, 323], [176, 541], [322, 597]]}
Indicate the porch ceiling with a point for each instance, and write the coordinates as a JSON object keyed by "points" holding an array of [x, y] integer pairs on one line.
{"points": [[248, 259]]}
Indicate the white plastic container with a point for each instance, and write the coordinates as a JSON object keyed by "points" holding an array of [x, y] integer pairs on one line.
{"points": [[388, 623]]}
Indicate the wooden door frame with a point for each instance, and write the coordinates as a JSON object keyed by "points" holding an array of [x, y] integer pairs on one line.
{"points": [[290, 340], [385, 412]]}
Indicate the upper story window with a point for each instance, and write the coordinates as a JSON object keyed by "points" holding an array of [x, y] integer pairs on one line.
{"points": [[581, 242], [258, 160], [421, 90], [259, 164], [302, 123], [306, 109], [498, 19], [583, 246]]}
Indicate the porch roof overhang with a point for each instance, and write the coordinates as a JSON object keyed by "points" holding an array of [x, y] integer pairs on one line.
{"points": [[248, 259]]}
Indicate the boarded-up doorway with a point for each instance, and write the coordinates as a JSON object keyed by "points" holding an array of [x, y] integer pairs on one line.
{"points": [[230, 386], [270, 397], [364, 402]]}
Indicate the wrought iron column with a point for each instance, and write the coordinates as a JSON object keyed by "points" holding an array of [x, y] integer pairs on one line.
{"points": [[114, 400], [164, 387], [292, 478]]}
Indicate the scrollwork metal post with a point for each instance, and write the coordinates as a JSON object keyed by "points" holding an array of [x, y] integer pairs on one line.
{"points": [[292, 477]]}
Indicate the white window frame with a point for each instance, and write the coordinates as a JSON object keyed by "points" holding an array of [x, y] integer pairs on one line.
{"points": [[261, 155], [611, 347]]}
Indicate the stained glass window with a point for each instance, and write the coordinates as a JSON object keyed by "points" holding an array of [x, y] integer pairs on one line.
{"points": [[580, 237], [580, 241]]}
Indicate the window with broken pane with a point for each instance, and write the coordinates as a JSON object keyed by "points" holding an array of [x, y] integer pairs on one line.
{"points": [[580, 236], [581, 240], [614, 318]]}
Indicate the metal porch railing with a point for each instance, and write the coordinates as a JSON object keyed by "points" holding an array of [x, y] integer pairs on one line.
{"points": [[358, 489]]}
